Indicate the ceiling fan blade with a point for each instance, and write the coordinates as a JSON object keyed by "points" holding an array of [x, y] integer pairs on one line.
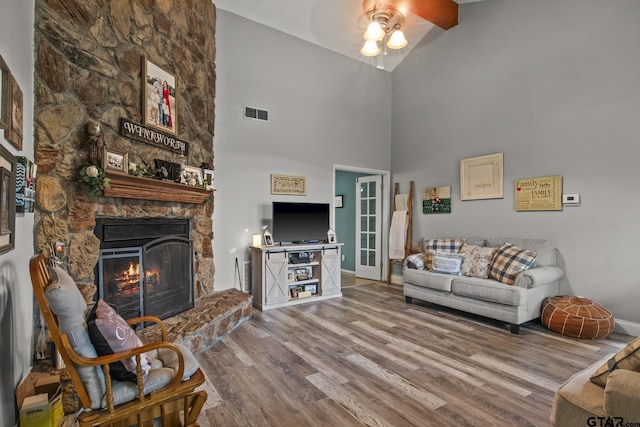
{"points": [[443, 13]]}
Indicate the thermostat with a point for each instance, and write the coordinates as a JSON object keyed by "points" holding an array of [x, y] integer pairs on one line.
{"points": [[571, 199]]}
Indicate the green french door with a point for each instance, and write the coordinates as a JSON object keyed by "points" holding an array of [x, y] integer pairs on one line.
{"points": [[369, 227]]}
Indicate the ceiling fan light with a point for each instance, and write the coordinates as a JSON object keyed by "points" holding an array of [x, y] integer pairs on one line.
{"points": [[374, 32], [397, 40], [370, 48]]}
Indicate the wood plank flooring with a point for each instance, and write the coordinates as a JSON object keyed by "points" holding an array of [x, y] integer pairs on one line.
{"points": [[370, 359]]}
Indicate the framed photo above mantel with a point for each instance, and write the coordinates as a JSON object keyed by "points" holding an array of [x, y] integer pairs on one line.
{"points": [[481, 177], [159, 103]]}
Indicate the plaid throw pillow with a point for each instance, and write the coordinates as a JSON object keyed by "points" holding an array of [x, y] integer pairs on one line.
{"points": [[432, 246], [509, 261], [417, 261], [627, 358]]}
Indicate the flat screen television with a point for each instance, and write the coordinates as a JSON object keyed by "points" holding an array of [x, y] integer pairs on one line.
{"points": [[300, 222]]}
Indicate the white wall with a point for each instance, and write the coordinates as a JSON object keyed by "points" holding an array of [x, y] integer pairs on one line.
{"points": [[324, 109], [16, 296], [554, 86]]}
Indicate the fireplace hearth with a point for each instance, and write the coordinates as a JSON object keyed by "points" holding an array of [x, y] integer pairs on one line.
{"points": [[145, 266]]}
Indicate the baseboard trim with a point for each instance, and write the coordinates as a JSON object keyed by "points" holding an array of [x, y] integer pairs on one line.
{"points": [[397, 279], [626, 327]]}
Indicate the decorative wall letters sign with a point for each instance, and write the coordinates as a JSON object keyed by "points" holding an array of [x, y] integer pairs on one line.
{"points": [[144, 133], [289, 184], [539, 194]]}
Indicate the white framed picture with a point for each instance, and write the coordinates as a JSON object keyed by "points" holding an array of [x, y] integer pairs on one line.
{"points": [[191, 175], [268, 240], [331, 236]]}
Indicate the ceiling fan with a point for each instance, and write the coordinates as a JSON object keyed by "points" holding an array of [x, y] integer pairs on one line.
{"points": [[387, 16]]}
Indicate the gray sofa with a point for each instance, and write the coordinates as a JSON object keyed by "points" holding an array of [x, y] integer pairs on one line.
{"points": [[490, 298]]}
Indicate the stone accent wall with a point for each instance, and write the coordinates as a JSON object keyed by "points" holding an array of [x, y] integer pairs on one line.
{"points": [[89, 67]]}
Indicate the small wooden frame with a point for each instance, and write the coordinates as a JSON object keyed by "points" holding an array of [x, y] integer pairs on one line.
{"points": [[114, 160]]}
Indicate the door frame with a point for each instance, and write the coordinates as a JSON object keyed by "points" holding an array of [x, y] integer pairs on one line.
{"points": [[386, 208]]}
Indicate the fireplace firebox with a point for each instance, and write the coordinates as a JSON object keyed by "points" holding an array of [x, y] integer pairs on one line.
{"points": [[145, 266]]}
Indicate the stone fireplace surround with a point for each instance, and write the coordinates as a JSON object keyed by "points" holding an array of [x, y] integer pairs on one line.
{"points": [[88, 69]]}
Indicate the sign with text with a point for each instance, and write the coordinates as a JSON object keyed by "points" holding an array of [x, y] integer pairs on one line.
{"points": [[151, 136], [539, 194]]}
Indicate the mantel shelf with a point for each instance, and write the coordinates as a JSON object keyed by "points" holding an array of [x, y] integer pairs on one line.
{"points": [[135, 187]]}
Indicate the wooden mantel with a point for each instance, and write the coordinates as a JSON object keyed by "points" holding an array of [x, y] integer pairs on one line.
{"points": [[135, 187]]}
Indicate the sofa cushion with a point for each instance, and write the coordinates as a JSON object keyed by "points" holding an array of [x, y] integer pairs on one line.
{"points": [[545, 250], [488, 290], [508, 261], [440, 245], [428, 279], [476, 260], [447, 263], [627, 358]]}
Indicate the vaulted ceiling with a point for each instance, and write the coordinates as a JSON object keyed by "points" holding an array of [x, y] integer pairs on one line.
{"points": [[338, 25]]}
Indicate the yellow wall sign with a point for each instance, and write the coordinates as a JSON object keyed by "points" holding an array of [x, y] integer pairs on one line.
{"points": [[539, 194]]}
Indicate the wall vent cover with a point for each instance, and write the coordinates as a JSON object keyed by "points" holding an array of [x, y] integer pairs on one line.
{"points": [[256, 113]]}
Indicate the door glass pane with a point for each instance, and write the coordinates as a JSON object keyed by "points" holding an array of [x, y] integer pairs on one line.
{"points": [[372, 257], [363, 240], [372, 241], [363, 257], [363, 189], [363, 224], [363, 207], [372, 223], [372, 207], [372, 190]]}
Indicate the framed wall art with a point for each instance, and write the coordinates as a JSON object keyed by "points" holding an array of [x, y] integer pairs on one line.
{"points": [[436, 200], [159, 98], [113, 160], [481, 177], [288, 184], [13, 133], [338, 201], [4, 95], [539, 194], [7, 200]]}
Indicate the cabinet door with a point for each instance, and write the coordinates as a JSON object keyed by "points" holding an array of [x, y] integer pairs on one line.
{"points": [[331, 272], [275, 280]]}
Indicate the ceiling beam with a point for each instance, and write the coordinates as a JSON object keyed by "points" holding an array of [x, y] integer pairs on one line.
{"points": [[443, 13]]}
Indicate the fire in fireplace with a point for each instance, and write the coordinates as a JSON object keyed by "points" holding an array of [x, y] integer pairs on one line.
{"points": [[145, 266]]}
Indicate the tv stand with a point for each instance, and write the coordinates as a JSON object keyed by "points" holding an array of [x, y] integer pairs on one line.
{"points": [[295, 274]]}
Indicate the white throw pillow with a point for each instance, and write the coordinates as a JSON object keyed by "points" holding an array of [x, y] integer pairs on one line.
{"points": [[448, 263]]}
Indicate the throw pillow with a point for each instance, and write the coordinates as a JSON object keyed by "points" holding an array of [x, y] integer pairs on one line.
{"points": [[467, 251], [416, 261], [508, 261], [447, 263], [627, 358], [440, 245], [111, 334], [477, 264]]}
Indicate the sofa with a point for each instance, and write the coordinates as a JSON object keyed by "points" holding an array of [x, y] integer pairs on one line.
{"points": [[607, 393], [485, 291]]}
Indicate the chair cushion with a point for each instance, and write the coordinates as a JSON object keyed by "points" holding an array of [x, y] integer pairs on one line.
{"points": [[164, 365], [111, 334], [508, 261], [68, 304]]}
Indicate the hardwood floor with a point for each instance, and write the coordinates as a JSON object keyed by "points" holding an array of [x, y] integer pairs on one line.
{"points": [[369, 358]]}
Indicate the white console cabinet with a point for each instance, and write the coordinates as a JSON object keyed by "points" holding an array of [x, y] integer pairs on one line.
{"points": [[295, 274]]}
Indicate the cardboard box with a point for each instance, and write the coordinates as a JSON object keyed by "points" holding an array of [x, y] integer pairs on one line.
{"points": [[40, 400]]}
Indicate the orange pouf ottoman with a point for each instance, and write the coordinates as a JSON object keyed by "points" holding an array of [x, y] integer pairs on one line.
{"points": [[576, 317]]}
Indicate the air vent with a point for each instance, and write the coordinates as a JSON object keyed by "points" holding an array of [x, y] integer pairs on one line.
{"points": [[256, 113]]}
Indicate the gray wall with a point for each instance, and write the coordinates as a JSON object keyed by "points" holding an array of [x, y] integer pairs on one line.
{"points": [[324, 109], [554, 86], [16, 296]]}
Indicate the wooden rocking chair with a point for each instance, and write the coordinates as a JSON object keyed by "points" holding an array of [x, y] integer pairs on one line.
{"points": [[168, 395]]}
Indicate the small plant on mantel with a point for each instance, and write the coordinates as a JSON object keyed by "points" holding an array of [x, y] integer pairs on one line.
{"points": [[95, 177]]}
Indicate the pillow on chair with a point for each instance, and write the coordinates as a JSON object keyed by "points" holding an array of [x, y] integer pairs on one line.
{"points": [[110, 334], [68, 304]]}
